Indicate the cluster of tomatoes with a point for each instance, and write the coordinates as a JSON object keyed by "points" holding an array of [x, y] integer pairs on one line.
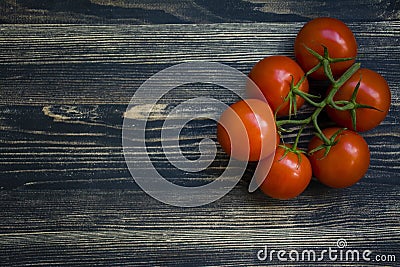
{"points": [[356, 100]]}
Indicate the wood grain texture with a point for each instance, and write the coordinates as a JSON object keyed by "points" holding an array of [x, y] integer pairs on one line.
{"points": [[53, 151], [191, 11], [76, 81], [124, 227], [105, 64], [66, 195]]}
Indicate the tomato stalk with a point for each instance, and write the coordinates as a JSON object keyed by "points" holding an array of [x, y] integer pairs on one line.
{"points": [[352, 105], [294, 149]]}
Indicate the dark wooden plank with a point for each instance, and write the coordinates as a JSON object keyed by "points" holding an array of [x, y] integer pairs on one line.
{"points": [[67, 76], [106, 64], [68, 146], [67, 197], [103, 228], [70, 125], [191, 11]]}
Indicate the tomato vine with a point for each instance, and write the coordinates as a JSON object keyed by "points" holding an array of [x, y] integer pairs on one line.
{"points": [[342, 105]]}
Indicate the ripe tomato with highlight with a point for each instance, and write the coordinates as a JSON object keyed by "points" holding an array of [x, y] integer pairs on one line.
{"points": [[373, 91], [273, 76], [289, 175], [331, 33], [247, 131], [347, 161]]}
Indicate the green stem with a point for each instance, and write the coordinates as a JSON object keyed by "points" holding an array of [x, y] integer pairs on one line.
{"points": [[324, 61], [348, 73], [294, 122], [346, 106], [319, 65], [296, 141], [306, 97], [314, 118], [339, 83]]}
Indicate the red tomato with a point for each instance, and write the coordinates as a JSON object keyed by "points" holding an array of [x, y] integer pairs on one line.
{"points": [[373, 91], [273, 76], [288, 176], [247, 130], [346, 163], [331, 33]]}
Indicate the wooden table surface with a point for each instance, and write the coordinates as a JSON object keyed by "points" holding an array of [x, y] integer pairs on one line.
{"points": [[67, 72]]}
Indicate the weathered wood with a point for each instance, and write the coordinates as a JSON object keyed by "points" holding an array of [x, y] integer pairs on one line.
{"points": [[128, 227], [66, 195], [73, 81], [67, 64], [191, 11], [69, 146]]}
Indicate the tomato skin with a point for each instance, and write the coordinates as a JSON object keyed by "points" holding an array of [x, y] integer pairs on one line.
{"points": [[373, 91], [333, 34], [273, 76], [250, 118], [346, 163], [288, 177]]}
